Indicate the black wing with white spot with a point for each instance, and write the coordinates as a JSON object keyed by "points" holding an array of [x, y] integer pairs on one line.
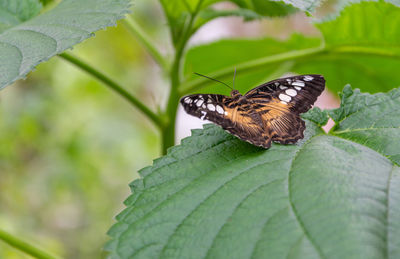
{"points": [[205, 106], [236, 118], [298, 92]]}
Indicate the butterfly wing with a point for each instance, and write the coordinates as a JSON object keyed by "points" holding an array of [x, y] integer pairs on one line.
{"points": [[280, 102], [235, 118], [283, 125], [298, 92]]}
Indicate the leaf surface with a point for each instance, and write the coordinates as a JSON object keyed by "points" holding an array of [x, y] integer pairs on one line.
{"points": [[17, 11], [327, 196], [24, 46]]}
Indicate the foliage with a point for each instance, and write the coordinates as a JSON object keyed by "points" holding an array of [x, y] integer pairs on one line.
{"points": [[29, 42], [363, 47], [331, 195], [354, 49], [360, 154]]}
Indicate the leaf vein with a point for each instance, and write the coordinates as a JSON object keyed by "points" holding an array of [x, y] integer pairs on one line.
{"points": [[292, 207], [387, 211], [237, 206], [209, 196]]}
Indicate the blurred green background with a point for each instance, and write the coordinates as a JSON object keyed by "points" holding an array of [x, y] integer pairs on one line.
{"points": [[69, 146]]}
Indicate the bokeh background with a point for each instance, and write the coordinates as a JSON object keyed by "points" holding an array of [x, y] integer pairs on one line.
{"points": [[69, 146]]}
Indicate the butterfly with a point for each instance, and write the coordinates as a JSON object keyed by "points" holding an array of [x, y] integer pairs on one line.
{"points": [[269, 112]]}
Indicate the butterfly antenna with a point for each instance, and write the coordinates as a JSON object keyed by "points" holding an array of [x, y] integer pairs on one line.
{"points": [[234, 76], [213, 79]]}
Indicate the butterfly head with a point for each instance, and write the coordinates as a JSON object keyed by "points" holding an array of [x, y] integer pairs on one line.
{"points": [[235, 93]]}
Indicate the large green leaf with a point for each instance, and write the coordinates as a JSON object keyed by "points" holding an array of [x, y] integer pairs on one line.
{"points": [[13, 12], [329, 196], [25, 45], [354, 49]]}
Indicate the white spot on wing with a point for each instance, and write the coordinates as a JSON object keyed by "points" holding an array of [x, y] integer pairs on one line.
{"points": [[308, 78], [187, 100], [298, 83], [297, 88], [219, 109], [211, 107], [282, 87], [226, 113], [285, 98], [291, 92], [203, 106], [204, 115], [199, 102], [283, 102], [276, 84]]}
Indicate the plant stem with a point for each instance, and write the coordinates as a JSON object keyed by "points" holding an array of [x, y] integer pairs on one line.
{"points": [[116, 87], [250, 65], [24, 246], [168, 133], [144, 39]]}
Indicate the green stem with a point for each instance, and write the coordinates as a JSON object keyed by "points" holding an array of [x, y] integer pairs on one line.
{"points": [[144, 39], [114, 86], [251, 65], [168, 133], [24, 246]]}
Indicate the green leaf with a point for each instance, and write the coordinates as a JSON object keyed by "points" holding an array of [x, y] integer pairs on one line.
{"points": [[25, 45], [354, 28], [13, 12], [210, 13], [317, 116], [268, 8], [265, 6], [249, 10], [180, 12], [371, 120], [225, 54], [328, 196], [355, 50]]}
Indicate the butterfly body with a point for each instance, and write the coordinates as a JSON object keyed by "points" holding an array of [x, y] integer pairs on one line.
{"points": [[269, 112]]}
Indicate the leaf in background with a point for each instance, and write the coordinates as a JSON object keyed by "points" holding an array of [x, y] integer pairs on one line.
{"points": [[179, 12], [357, 50], [362, 51], [267, 8], [353, 27], [13, 12], [215, 196], [210, 14], [256, 9], [24, 46], [206, 59]]}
